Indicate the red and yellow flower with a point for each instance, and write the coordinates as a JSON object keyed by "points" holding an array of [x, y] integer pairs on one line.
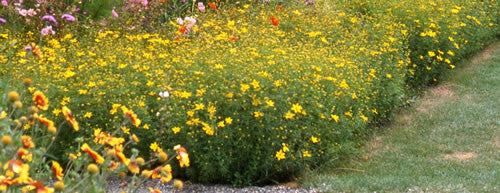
{"points": [[69, 117], [41, 100], [182, 156], [27, 142], [98, 158], [133, 117], [57, 169]]}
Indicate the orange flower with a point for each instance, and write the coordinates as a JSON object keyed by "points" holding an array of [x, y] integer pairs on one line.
{"points": [[41, 100], [182, 156], [70, 118], [133, 117], [212, 5], [27, 142], [58, 170], [98, 158], [233, 38], [275, 21]]}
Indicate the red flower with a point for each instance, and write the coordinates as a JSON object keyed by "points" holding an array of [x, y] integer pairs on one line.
{"points": [[275, 21]]}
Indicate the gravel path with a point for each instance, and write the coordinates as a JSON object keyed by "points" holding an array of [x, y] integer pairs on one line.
{"points": [[115, 186]]}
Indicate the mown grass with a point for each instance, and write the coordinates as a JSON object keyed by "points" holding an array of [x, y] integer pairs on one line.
{"points": [[447, 141]]}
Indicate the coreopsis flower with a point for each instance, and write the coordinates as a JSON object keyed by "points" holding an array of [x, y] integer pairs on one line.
{"points": [[98, 158], [69, 117], [27, 142], [40, 100], [57, 169], [133, 117], [182, 156]]}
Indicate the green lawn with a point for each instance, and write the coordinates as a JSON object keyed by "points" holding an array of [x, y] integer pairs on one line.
{"points": [[448, 141]]}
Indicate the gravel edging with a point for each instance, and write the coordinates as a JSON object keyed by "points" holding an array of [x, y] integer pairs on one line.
{"points": [[115, 186]]}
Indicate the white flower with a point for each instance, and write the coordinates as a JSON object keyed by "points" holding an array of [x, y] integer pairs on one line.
{"points": [[180, 21], [190, 20], [164, 94]]}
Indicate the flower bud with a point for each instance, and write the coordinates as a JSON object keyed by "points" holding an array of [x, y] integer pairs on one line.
{"points": [[6, 140], [59, 186], [93, 169], [13, 96]]}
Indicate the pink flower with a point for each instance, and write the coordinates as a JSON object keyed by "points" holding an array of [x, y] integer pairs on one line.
{"points": [[114, 13], [145, 3], [5, 3], [201, 7], [48, 31], [50, 18], [23, 12], [2, 20], [68, 17]]}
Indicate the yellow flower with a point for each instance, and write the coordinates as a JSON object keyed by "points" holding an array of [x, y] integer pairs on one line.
{"points": [[335, 117], [280, 155], [289, 115], [88, 115], [176, 130], [3, 114], [296, 108], [306, 153], [314, 139], [154, 146], [258, 114], [228, 120], [270, 103]]}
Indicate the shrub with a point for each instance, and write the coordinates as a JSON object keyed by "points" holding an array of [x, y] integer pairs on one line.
{"points": [[256, 92]]}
